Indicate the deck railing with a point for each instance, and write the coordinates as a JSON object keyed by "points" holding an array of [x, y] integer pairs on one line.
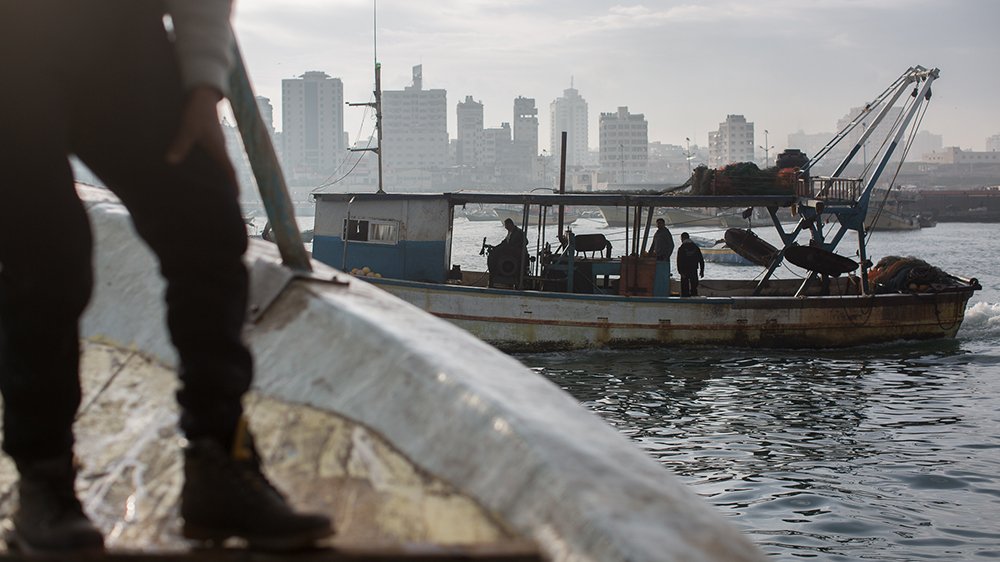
{"points": [[830, 189]]}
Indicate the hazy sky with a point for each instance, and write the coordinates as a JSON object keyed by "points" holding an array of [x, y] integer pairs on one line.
{"points": [[784, 64]]}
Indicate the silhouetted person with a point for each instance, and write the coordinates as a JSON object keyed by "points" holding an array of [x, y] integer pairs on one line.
{"points": [[512, 250], [689, 261], [663, 241], [103, 80]]}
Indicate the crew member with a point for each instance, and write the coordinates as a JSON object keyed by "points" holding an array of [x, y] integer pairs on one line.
{"points": [[513, 246], [663, 241], [689, 261]]}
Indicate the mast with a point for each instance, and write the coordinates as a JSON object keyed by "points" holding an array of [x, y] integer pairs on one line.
{"points": [[377, 104]]}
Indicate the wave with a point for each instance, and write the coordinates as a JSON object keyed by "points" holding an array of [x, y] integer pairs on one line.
{"points": [[982, 321]]}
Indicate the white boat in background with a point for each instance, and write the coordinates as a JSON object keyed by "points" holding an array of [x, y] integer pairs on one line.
{"points": [[683, 218], [550, 215], [890, 220], [621, 216], [477, 214]]}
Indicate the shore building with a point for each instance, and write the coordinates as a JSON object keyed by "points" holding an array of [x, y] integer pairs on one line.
{"points": [[569, 113], [731, 142], [624, 146], [312, 116], [414, 134]]}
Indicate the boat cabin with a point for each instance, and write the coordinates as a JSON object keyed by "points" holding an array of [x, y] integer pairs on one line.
{"points": [[408, 237], [399, 236]]}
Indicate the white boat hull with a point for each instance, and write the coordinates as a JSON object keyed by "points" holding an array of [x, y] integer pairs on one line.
{"points": [[525, 320]]}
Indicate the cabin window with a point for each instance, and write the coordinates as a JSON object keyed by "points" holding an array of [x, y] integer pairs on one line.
{"points": [[373, 231]]}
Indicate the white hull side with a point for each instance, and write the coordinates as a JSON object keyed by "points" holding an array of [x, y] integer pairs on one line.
{"points": [[516, 320]]}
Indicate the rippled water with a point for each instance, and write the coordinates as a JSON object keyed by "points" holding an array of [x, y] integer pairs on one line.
{"points": [[888, 452]]}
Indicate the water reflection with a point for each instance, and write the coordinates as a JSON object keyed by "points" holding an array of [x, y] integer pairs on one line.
{"points": [[834, 454]]}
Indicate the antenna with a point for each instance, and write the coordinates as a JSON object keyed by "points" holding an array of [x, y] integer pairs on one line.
{"points": [[377, 104]]}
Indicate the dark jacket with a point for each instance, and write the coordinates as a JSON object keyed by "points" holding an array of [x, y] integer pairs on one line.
{"points": [[689, 258], [663, 244]]}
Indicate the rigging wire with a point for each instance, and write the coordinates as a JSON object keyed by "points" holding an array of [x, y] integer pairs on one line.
{"points": [[906, 150], [326, 182]]}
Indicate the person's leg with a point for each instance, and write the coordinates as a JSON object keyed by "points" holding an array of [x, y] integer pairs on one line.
{"points": [[685, 285], [694, 284], [189, 215], [45, 280]]}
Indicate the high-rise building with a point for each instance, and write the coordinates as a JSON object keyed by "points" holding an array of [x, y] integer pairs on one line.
{"points": [[312, 115], [624, 146], [525, 139], [526, 125], [469, 149], [266, 113], [414, 132], [569, 113], [498, 152], [993, 143], [732, 142]]}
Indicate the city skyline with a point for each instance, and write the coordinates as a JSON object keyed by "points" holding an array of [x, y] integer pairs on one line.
{"points": [[757, 59]]}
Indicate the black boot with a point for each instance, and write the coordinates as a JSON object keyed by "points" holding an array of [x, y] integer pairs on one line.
{"points": [[226, 495], [50, 519]]}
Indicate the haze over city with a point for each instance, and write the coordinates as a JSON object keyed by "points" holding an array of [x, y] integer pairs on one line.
{"points": [[786, 65]]}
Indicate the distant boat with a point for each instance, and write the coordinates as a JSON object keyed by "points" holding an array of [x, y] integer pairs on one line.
{"points": [[480, 214], [551, 215], [890, 220], [616, 216]]}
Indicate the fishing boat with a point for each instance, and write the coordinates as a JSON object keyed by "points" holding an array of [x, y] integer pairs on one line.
{"points": [[572, 293]]}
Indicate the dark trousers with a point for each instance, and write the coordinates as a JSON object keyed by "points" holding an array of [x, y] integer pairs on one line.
{"points": [[689, 283], [100, 79]]}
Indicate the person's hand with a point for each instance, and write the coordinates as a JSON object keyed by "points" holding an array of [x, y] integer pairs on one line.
{"points": [[200, 125]]}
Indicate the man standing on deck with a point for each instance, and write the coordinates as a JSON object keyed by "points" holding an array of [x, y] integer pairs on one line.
{"points": [[663, 241], [689, 260], [105, 80]]}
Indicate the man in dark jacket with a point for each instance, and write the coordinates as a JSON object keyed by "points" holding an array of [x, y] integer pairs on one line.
{"points": [[663, 241], [689, 261]]}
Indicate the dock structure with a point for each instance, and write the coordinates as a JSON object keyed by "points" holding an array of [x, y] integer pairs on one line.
{"points": [[422, 442]]}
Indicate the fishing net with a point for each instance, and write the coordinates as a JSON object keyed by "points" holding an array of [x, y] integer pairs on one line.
{"points": [[895, 274], [742, 178]]}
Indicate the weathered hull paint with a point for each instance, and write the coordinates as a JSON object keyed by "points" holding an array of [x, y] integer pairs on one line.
{"points": [[516, 320]]}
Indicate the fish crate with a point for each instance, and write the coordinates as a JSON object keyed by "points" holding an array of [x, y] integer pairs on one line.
{"points": [[638, 275]]}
